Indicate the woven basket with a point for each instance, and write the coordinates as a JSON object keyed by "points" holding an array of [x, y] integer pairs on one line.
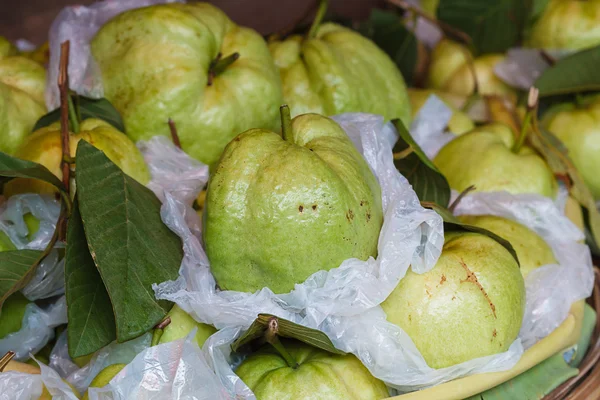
{"points": [[586, 385]]}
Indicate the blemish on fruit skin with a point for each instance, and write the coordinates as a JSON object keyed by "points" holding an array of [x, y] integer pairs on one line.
{"points": [[409, 318], [300, 208], [472, 278], [443, 279], [362, 203], [350, 215], [368, 216], [314, 207], [495, 333]]}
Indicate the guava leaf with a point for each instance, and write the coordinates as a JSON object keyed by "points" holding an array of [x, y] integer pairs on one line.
{"points": [[16, 268], [287, 329], [89, 310], [88, 108], [578, 72], [493, 25], [12, 167], [453, 224], [427, 181], [127, 239], [556, 155], [388, 31]]}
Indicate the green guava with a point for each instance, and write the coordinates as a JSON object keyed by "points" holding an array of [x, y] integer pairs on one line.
{"points": [[279, 209], [104, 377], [471, 304], [181, 325], [12, 313], [320, 375]]}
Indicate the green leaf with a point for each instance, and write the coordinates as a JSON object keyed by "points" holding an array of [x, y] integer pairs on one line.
{"points": [[387, 30], [453, 224], [128, 241], [556, 155], [12, 167], [493, 25], [88, 108], [576, 73], [427, 181], [16, 268], [89, 310], [287, 329]]}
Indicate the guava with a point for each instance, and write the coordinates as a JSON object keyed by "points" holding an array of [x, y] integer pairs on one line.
{"points": [[282, 207], [104, 377], [44, 146], [459, 123], [181, 325], [319, 375], [12, 313], [471, 304], [484, 158]]}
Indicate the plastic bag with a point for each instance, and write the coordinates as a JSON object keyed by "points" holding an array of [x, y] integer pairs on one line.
{"points": [[79, 24], [48, 280], [22, 386], [114, 353], [37, 329], [174, 370]]}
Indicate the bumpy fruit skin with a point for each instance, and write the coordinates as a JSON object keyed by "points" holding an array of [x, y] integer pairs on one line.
{"points": [[483, 158], [469, 305], [579, 130], [458, 124], [104, 377], [181, 325], [13, 311], [567, 24], [22, 83], [155, 63], [449, 71], [44, 147], [320, 376], [531, 249], [339, 71], [277, 210]]}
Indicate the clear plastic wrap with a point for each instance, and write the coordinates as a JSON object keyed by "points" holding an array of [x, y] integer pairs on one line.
{"points": [[79, 24], [114, 353], [174, 370], [37, 329]]}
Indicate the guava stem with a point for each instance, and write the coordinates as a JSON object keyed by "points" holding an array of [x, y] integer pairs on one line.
{"points": [[66, 107], [6, 359], [286, 122], [219, 65], [314, 28], [532, 102], [174, 135], [73, 118], [272, 338]]}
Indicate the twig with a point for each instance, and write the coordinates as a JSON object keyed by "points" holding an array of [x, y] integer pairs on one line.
{"points": [[174, 135], [461, 196], [6, 359], [63, 87], [164, 323], [532, 103]]}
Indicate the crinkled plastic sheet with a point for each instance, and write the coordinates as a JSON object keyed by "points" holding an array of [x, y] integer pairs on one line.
{"points": [[79, 24], [37, 329], [174, 370], [115, 353], [22, 386]]}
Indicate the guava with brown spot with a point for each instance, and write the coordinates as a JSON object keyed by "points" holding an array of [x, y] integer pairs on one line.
{"points": [[276, 212], [475, 313]]}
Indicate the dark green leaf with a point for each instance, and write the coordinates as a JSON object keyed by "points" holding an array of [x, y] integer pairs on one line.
{"points": [[88, 108], [387, 30], [429, 184], [556, 155], [12, 167], [90, 314], [287, 329], [453, 224], [128, 241], [576, 73], [16, 268], [493, 25]]}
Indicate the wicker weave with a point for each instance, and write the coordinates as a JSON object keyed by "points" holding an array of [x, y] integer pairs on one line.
{"points": [[586, 385]]}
